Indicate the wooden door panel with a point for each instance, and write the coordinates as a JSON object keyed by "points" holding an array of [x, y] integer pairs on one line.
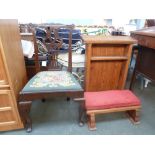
{"points": [[5, 98], [104, 75], [6, 116], [108, 50], [3, 77]]}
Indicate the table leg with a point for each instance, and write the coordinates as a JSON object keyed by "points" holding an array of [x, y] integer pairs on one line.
{"points": [[133, 79]]}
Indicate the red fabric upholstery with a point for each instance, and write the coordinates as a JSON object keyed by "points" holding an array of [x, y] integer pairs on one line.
{"points": [[110, 99]]}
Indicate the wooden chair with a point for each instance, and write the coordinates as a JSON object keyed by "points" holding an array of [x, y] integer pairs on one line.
{"points": [[109, 102], [48, 83]]}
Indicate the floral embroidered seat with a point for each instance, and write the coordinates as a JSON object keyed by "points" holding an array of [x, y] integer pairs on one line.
{"points": [[47, 84], [48, 81]]}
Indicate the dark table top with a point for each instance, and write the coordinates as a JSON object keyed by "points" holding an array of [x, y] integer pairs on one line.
{"points": [[145, 37], [149, 31]]}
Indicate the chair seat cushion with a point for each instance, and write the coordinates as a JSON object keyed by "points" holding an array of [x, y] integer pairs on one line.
{"points": [[52, 81], [110, 99]]}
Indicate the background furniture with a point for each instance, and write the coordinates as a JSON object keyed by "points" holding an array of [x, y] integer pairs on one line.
{"points": [[107, 60], [29, 62], [146, 54], [34, 63], [27, 36], [12, 74]]}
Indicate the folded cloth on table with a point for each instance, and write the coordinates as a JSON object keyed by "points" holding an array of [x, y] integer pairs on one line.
{"points": [[28, 48]]}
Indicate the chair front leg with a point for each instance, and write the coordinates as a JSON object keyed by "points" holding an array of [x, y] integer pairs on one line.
{"points": [[24, 108]]}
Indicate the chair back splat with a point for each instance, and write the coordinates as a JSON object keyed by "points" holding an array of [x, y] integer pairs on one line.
{"points": [[53, 41]]}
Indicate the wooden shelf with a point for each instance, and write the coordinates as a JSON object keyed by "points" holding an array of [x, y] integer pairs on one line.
{"points": [[5, 108], [8, 123], [4, 86], [109, 58]]}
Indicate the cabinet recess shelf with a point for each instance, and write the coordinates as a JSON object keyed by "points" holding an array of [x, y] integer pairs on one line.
{"points": [[109, 58]]}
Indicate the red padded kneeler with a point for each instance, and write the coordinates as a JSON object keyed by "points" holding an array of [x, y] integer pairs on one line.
{"points": [[110, 99]]}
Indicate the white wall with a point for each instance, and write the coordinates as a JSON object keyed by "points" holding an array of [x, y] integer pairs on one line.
{"points": [[42, 10]]}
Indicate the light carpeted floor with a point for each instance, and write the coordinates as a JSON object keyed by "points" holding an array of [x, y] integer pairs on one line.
{"points": [[57, 116]]}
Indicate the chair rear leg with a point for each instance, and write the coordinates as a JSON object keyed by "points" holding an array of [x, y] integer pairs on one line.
{"points": [[68, 99], [82, 114], [43, 99]]}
